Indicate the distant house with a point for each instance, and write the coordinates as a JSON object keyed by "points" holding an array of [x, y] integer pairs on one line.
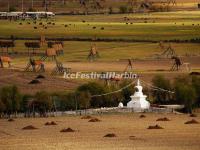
{"points": [[26, 15], [37, 15]]}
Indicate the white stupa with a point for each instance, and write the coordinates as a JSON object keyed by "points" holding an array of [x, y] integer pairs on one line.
{"points": [[138, 100], [120, 105]]}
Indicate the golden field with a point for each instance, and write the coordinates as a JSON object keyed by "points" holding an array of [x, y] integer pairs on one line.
{"points": [[131, 133]]}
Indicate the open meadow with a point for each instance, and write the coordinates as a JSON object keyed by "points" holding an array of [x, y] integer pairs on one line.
{"points": [[130, 130], [181, 25]]}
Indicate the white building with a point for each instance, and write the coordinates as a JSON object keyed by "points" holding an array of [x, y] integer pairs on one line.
{"points": [[138, 100]]}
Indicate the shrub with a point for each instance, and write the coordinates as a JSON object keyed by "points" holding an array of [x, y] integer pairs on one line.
{"points": [[10, 99], [94, 89], [110, 10], [123, 9], [2, 106], [186, 95], [12, 8], [126, 93], [67, 101], [159, 96], [196, 85], [32, 9], [83, 99], [186, 91], [44, 102]]}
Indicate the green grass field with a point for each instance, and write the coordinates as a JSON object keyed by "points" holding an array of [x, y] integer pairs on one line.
{"points": [[153, 26]]}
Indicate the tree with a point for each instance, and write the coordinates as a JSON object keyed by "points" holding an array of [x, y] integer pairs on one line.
{"points": [[161, 97], [186, 94], [2, 108], [11, 98], [132, 4], [94, 89], [25, 104], [127, 92], [67, 101], [186, 91], [31, 9], [123, 9], [83, 99], [110, 10], [43, 102], [196, 85], [12, 8]]}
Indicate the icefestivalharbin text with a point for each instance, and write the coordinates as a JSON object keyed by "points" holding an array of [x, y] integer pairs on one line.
{"points": [[104, 75]]}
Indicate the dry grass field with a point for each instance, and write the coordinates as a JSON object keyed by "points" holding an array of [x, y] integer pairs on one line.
{"points": [[130, 130], [22, 79], [146, 69]]}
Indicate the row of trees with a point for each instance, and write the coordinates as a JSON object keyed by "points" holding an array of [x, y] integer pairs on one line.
{"points": [[128, 6], [187, 92]]}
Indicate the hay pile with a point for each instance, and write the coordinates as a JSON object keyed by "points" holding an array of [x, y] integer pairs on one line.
{"points": [[50, 123], [86, 117], [35, 82], [30, 127], [163, 119], [132, 137], [40, 77], [155, 127], [11, 120], [67, 130], [193, 115], [142, 116], [192, 122], [110, 135], [94, 120]]}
